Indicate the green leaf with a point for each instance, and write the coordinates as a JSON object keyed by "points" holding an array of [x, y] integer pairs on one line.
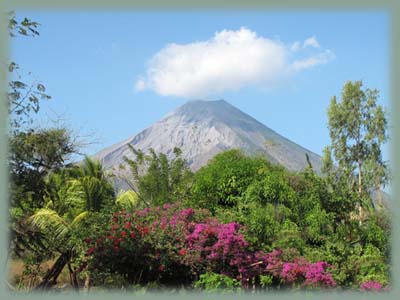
{"points": [[12, 66], [40, 87]]}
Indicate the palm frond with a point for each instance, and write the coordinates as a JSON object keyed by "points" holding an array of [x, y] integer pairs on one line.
{"points": [[49, 222], [79, 218], [92, 168], [50, 204], [127, 200]]}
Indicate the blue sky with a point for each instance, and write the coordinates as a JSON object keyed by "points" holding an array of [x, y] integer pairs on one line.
{"points": [[91, 63]]}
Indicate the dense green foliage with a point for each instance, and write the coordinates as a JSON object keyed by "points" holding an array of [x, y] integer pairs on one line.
{"points": [[34, 156], [301, 211], [223, 182], [313, 221], [213, 282]]}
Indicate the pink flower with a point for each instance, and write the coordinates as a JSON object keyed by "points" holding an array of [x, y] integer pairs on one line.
{"points": [[213, 255], [187, 212], [371, 285], [316, 275], [127, 225], [143, 213], [145, 230]]}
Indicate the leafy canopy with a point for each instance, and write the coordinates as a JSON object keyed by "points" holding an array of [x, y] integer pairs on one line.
{"points": [[358, 128]]}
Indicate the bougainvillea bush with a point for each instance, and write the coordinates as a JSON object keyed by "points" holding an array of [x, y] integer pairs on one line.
{"points": [[144, 246], [174, 246], [374, 286]]}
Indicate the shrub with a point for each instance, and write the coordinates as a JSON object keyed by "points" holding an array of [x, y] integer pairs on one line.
{"points": [[213, 282], [371, 285], [224, 180], [175, 246], [144, 246]]}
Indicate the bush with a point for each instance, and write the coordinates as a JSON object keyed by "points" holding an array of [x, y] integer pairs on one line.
{"points": [[224, 180], [144, 246], [213, 282], [173, 246]]}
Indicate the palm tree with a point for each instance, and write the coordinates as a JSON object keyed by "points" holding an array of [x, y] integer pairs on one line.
{"points": [[69, 201], [128, 200], [98, 191], [58, 231]]}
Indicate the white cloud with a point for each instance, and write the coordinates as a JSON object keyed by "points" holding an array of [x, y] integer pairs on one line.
{"points": [[140, 85], [312, 42], [318, 59], [228, 61], [296, 46]]}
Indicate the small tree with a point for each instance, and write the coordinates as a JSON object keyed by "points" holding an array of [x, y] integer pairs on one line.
{"points": [[158, 179], [224, 180], [358, 128], [73, 195], [32, 156]]}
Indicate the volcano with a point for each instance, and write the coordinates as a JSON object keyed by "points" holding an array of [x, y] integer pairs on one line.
{"points": [[201, 129]]}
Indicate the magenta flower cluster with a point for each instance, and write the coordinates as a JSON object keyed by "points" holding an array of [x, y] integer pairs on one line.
{"points": [[313, 274], [162, 242], [316, 274], [371, 286]]}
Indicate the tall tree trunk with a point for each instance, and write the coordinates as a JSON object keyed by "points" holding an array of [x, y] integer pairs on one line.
{"points": [[50, 278], [359, 178], [73, 278], [87, 283], [379, 193]]}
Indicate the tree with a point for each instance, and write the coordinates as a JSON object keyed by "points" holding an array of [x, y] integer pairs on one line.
{"points": [[327, 168], [32, 156], [23, 97], [358, 128], [58, 230], [72, 195], [127, 200], [225, 178], [158, 179], [94, 185]]}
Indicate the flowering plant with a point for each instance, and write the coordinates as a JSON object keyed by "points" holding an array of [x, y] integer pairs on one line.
{"points": [[371, 285], [175, 246]]}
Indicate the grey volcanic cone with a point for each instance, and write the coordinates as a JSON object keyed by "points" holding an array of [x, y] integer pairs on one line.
{"points": [[204, 128]]}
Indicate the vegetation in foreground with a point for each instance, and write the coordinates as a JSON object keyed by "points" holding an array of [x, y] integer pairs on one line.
{"points": [[239, 223]]}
